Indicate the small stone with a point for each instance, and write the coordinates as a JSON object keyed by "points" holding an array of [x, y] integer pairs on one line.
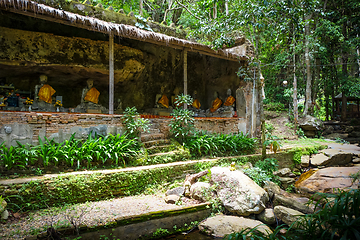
{"points": [[284, 172], [287, 215], [99, 5], [3, 205], [110, 8], [5, 215], [305, 160], [272, 188], [121, 11], [267, 216], [356, 160], [286, 181], [88, 2], [172, 25], [172, 199], [131, 14], [179, 191]]}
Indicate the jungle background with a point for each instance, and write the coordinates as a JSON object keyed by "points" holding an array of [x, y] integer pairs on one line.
{"points": [[308, 50]]}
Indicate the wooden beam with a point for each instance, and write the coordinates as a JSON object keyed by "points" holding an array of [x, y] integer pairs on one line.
{"points": [[111, 74]]}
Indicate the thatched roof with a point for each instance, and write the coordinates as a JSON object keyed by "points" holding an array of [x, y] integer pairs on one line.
{"points": [[41, 11]]}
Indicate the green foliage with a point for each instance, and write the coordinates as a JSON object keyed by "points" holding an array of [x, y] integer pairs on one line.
{"points": [[201, 144], [340, 140], [182, 123], [263, 171], [300, 133], [72, 153], [274, 106], [339, 218], [134, 124], [161, 232]]}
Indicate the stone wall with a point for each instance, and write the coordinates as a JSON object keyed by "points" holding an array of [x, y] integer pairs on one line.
{"points": [[26, 127]]}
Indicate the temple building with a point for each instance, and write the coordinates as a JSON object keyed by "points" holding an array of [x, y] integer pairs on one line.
{"points": [[78, 66]]}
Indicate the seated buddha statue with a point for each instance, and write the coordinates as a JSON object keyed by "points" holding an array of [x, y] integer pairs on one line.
{"points": [[43, 91], [196, 103], [229, 104], [161, 100], [90, 93], [216, 104]]}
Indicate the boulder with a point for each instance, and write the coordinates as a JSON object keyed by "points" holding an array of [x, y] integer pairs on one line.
{"points": [[284, 172], [3, 205], [5, 215], [272, 189], [305, 161], [287, 215], [310, 123], [326, 179], [267, 216], [237, 192], [222, 225], [172, 199], [179, 191], [331, 157], [201, 191], [286, 182], [296, 203]]}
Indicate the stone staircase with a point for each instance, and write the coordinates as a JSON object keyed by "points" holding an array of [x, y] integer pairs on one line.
{"points": [[161, 149]]}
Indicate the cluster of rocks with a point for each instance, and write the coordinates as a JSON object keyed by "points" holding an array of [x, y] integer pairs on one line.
{"points": [[248, 205], [4, 214]]}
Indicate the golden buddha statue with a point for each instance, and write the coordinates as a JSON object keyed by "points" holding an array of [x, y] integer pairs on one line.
{"points": [[230, 99], [196, 103], [216, 104], [90, 93], [161, 100], [44, 91]]}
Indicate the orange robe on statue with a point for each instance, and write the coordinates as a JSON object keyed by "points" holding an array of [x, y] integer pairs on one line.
{"points": [[92, 95], [164, 101], [46, 92], [229, 101], [215, 105], [196, 104]]}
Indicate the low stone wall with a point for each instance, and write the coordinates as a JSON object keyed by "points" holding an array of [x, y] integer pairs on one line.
{"points": [[27, 127]]}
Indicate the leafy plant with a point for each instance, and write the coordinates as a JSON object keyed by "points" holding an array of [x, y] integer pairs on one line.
{"points": [[263, 171], [182, 123], [161, 232], [300, 133], [134, 124]]}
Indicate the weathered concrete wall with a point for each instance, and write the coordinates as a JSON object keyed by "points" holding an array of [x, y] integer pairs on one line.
{"points": [[26, 127]]}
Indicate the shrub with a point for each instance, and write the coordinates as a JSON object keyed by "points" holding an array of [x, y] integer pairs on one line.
{"points": [[182, 123], [134, 124], [274, 106], [202, 144]]}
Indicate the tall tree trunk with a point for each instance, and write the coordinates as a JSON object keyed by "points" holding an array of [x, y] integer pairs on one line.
{"points": [[308, 103], [227, 8], [344, 60], [296, 113], [141, 7]]}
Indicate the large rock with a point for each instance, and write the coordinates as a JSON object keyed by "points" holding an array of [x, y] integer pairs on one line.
{"points": [[305, 160], [201, 191], [326, 179], [284, 172], [222, 225], [297, 203], [331, 157], [287, 215], [310, 123], [237, 192], [5, 215], [272, 188], [179, 191], [3, 205], [172, 199], [286, 182], [267, 216]]}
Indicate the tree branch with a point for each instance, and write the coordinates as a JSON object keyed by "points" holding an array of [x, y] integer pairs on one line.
{"points": [[188, 10]]}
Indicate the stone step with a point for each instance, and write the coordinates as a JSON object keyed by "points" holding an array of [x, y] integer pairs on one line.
{"points": [[160, 149], [152, 136], [156, 142], [172, 156]]}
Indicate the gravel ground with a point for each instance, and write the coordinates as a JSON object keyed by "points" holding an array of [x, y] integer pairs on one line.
{"points": [[90, 214]]}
